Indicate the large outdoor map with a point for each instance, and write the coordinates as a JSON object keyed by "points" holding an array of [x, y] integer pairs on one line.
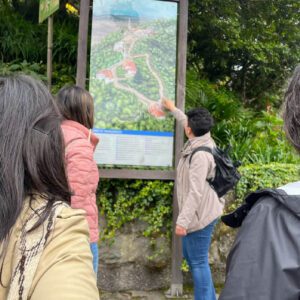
{"points": [[133, 66]]}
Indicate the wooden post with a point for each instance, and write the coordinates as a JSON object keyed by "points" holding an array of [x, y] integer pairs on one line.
{"points": [[49, 51], [82, 43], [176, 281]]}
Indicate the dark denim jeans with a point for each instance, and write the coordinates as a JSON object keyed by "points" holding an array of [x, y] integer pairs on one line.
{"points": [[94, 249], [195, 250]]}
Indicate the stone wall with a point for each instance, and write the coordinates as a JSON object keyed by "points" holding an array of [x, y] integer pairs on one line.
{"points": [[134, 262]]}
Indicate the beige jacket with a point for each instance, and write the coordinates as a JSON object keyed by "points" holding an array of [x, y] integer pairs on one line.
{"points": [[60, 268], [198, 203]]}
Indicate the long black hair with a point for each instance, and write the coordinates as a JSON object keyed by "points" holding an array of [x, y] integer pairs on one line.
{"points": [[291, 114], [77, 104], [31, 149]]}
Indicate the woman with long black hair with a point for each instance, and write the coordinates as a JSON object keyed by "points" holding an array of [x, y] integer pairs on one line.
{"points": [[44, 244]]}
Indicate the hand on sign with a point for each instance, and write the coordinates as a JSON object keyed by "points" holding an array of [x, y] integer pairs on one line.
{"points": [[180, 230], [168, 104]]}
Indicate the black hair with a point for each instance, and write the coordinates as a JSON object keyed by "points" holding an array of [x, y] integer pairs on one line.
{"points": [[31, 149], [77, 104], [291, 114], [200, 120]]}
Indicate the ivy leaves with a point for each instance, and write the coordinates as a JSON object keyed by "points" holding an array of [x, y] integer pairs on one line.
{"points": [[123, 201]]}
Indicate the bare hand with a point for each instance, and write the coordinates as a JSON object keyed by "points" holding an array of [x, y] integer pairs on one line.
{"points": [[168, 104], [180, 230]]}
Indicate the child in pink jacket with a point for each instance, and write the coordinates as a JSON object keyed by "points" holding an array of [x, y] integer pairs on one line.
{"points": [[77, 108]]}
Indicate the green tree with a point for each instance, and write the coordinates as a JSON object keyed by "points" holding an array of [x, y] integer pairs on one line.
{"points": [[249, 45], [22, 38]]}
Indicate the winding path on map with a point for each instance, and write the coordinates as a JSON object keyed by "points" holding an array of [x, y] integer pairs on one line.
{"points": [[130, 36]]}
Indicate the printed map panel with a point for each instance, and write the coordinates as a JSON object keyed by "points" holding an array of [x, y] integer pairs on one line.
{"points": [[133, 66]]}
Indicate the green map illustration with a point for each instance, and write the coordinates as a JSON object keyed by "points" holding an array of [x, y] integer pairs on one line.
{"points": [[133, 66]]}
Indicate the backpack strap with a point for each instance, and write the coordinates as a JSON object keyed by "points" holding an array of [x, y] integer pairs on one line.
{"points": [[202, 148]]}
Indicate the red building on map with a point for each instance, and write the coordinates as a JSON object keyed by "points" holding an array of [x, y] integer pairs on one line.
{"points": [[106, 75], [130, 67], [155, 109]]}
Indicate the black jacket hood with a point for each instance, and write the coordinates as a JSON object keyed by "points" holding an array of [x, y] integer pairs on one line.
{"points": [[292, 202], [288, 196]]}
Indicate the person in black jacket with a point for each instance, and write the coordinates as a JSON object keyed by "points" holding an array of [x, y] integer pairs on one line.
{"points": [[264, 262]]}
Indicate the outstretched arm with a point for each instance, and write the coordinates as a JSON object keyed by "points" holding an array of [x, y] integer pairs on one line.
{"points": [[177, 113]]}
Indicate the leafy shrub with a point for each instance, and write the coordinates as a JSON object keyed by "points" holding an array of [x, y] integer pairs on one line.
{"points": [[20, 39], [257, 176], [269, 143], [65, 42], [37, 70], [259, 140], [62, 74], [123, 201], [223, 103], [255, 137]]}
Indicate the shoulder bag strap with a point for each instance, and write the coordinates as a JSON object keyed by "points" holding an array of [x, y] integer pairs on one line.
{"points": [[202, 148]]}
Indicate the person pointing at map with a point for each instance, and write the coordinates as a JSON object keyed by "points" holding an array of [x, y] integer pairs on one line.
{"points": [[199, 205]]}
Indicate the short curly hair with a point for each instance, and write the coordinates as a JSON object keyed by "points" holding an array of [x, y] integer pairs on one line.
{"points": [[200, 121], [291, 113]]}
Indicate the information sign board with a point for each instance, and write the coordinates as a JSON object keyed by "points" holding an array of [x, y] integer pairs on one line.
{"points": [[132, 67]]}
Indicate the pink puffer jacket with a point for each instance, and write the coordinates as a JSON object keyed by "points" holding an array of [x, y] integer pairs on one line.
{"points": [[82, 171]]}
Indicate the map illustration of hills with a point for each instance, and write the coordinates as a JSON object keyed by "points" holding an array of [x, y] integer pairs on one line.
{"points": [[133, 66]]}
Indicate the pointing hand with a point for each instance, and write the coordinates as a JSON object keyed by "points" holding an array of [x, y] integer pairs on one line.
{"points": [[168, 104]]}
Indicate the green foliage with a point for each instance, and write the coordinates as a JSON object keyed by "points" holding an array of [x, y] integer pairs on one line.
{"points": [[33, 69], [250, 45], [269, 142], [61, 76], [184, 266], [123, 201], [22, 38], [224, 104], [259, 139], [255, 137], [23, 43], [65, 42], [257, 176]]}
